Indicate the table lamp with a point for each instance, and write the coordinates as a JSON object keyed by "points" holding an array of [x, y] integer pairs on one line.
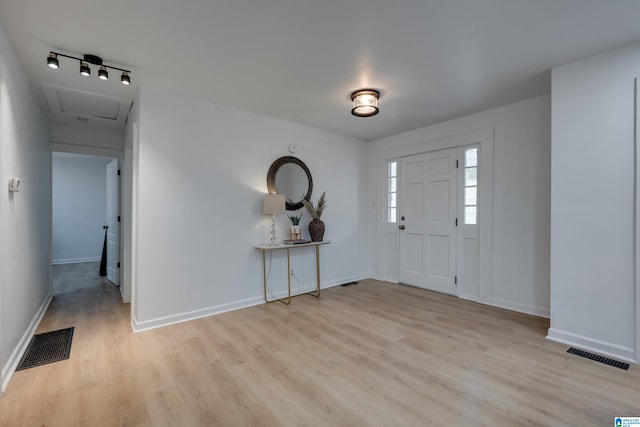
{"points": [[273, 204]]}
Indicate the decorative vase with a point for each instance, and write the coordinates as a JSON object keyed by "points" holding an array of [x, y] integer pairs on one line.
{"points": [[316, 230]]}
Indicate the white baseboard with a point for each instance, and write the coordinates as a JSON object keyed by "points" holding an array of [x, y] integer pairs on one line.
{"points": [[146, 325], [140, 326], [344, 280], [9, 369], [468, 297], [590, 344], [74, 260], [522, 308]]}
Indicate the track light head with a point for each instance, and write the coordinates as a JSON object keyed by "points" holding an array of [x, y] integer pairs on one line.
{"points": [[84, 69], [52, 61], [103, 74], [125, 79]]}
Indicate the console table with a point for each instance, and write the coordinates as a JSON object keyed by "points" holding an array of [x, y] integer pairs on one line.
{"points": [[289, 248]]}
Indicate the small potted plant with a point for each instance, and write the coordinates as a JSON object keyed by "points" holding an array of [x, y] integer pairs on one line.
{"points": [[295, 233], [316, 226]]}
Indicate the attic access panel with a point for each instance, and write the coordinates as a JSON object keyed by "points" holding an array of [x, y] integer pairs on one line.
{"points": [[82, 104], [71, 107]]}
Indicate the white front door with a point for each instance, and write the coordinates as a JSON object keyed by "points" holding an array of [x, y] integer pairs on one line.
{"points": [[113, 230], [428, 220]]}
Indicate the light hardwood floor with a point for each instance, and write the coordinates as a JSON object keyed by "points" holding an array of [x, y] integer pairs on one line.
{"points": [[371, 354]]}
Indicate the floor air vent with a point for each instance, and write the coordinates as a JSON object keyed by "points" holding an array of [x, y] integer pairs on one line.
{"points": [[598, 358], [47, 348]]}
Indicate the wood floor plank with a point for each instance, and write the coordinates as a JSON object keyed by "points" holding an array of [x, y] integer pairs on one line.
{"points": [[371, 354]]}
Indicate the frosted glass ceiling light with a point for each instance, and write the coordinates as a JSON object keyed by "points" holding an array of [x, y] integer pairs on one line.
{"points": [[365, 102], [103, 73], [52, 61]]}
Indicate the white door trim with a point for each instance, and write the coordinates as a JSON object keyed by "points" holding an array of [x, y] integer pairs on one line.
{"points": [[113, 222], [636, 204], [485, 138]]}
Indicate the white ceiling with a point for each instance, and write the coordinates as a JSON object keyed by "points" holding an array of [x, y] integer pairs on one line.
{"points": [[299, 60]]}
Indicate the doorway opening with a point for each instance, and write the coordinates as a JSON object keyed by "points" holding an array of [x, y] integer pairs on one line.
{"points": [[85, 210]]}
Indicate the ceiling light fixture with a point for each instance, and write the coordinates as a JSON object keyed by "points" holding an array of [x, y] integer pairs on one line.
{"points": [[365, 102], [85, 70], [52, 61]]}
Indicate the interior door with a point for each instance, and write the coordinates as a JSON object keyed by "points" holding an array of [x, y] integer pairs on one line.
{"points": [[113, 230], [428, 220]]}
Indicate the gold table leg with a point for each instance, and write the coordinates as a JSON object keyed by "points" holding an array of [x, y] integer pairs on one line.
{"points": [[316, 292], [264, 273]]}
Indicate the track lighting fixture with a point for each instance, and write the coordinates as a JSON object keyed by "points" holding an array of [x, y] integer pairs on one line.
{"points": [[85, 70], [52, 61]]}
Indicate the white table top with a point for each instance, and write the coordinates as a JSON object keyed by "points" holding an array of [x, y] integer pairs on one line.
{"points": [[280, 245]]}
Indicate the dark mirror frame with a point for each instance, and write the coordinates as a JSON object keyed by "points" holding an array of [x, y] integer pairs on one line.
{"points": [[273, 171]]}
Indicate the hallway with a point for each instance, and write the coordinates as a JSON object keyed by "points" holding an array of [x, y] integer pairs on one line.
{"points": [[71, 277]]}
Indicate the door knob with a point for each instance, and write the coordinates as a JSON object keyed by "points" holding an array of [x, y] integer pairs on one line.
{"points": [[401, 227]]}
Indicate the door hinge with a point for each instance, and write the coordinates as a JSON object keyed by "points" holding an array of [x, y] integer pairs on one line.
{"points": [[118, 218], [456, 222], [457, 163], [118, 172], [118, 265], [455, 279]]}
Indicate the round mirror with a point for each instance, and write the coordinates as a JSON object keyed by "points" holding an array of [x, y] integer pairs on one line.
{"points": [[290, 176]]}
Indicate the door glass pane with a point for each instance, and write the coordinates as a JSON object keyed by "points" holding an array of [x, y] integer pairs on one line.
{"points": [[471, 157], [471, 196], [470, 215], [392, 215], [392, 184], [392, 169], [392, 200], [471, 176]]}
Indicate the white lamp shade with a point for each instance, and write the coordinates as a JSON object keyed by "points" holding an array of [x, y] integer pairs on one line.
{"points": [[273, 204]]}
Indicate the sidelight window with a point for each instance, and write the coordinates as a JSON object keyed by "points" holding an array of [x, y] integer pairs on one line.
{"points": [[471, 186], [392, 191]]}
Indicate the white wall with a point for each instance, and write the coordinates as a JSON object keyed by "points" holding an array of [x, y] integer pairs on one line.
{"points": [[200, 179], [518, 263], [25, 217], [126, 198], [593, 290], [83, 140], [79, 207]]}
